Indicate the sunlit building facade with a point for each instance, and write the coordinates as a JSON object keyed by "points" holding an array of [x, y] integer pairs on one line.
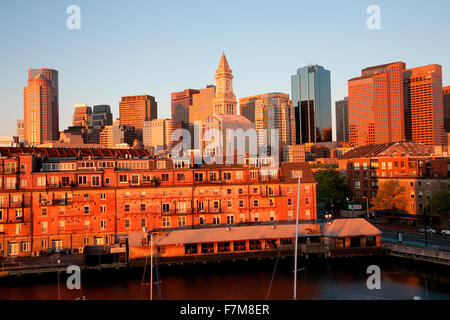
{"points": [[311, 98], [375, 105]]}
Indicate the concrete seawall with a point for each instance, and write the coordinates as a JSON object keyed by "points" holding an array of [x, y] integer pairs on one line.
{"points": [[417, 253]]}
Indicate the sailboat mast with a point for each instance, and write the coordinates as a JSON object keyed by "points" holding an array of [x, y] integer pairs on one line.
{"points": [[151, 265], [296, 241]]}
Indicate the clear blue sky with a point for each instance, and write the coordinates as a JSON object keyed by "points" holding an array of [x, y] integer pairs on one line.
{"points": [[157, 47]]}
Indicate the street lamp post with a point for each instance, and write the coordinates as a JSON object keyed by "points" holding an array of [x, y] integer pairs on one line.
{"points": [[367, 207]]}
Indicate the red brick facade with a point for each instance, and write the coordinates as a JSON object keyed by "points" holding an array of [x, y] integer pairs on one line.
{"points": [[69, 203]]}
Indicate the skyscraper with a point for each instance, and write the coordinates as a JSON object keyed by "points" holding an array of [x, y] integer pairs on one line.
{"points": [[342, 120], [375, 105], [41, 107], [134, 110], [202, 104], [271, 111], [180, 104], [424, 111], [311, 97], [247, 107], [102, 116], [446, 100], [20, 132], [82, 116], [158, 133]]}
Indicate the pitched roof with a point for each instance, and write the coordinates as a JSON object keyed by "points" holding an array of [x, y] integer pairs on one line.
{"points": [[288, 167], [407, 148], [207, 235], [223, 65], [349, 228], [232, 118]]}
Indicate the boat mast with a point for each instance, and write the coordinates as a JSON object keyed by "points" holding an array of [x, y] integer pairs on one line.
{"points": [[151, 265], [296, 241]]}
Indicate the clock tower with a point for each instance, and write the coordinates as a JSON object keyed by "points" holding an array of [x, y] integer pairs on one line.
{"points": [[225, 100]]}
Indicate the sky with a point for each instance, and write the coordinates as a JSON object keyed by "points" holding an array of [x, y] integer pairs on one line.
{"points": [[158, 47]]}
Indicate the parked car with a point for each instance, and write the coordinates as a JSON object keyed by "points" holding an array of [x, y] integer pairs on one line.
{"points": [[429, 230], [445, 232]]}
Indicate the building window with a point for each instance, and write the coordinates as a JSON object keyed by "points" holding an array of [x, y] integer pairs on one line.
{"points": [[134, 179], [127, 223], [44, 226], [107, 180], [255, 190], [256, 217], [272, 216], [181, 177], [95, 180], [41, 181], [44, 212], [166, 222], [181, 221], [213, 176], [271, 202], [239, 175], [227, 176], [216, 219], [25, 246], [241, 203], [230, 219], [200, 206], [87, 224], [230, 203], [240, 191], [86, 209], [142, 207], [165, 207], [82, 180], [182, 206], [18, 228], [62, 225], [228, 191], [165, 177], [143, 222], [290, 215], [123, 178], [198, 176], [102, 196], [255, 203], [127, 208], [103, 224], [160, 164], [202, 220], [289, 200], [253, 174]]}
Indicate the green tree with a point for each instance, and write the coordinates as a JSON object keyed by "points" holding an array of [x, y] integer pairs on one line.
{"points": [[439, 205], [390, 197], [331, 187]]}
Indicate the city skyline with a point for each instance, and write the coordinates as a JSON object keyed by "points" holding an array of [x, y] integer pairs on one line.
{"points": [[194, 68]]}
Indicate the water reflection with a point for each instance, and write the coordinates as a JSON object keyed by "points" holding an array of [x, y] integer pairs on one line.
{"points": [[336, 279]]}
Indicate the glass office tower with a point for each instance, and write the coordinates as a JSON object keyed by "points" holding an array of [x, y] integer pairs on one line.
{"points": [[311, 97]]}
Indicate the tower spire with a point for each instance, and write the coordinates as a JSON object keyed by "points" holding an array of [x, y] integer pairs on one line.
{"points": [[223, 65]]}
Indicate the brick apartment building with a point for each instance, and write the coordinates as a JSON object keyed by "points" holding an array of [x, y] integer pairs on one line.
{"points": [[412, 164], [69, 198]]}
